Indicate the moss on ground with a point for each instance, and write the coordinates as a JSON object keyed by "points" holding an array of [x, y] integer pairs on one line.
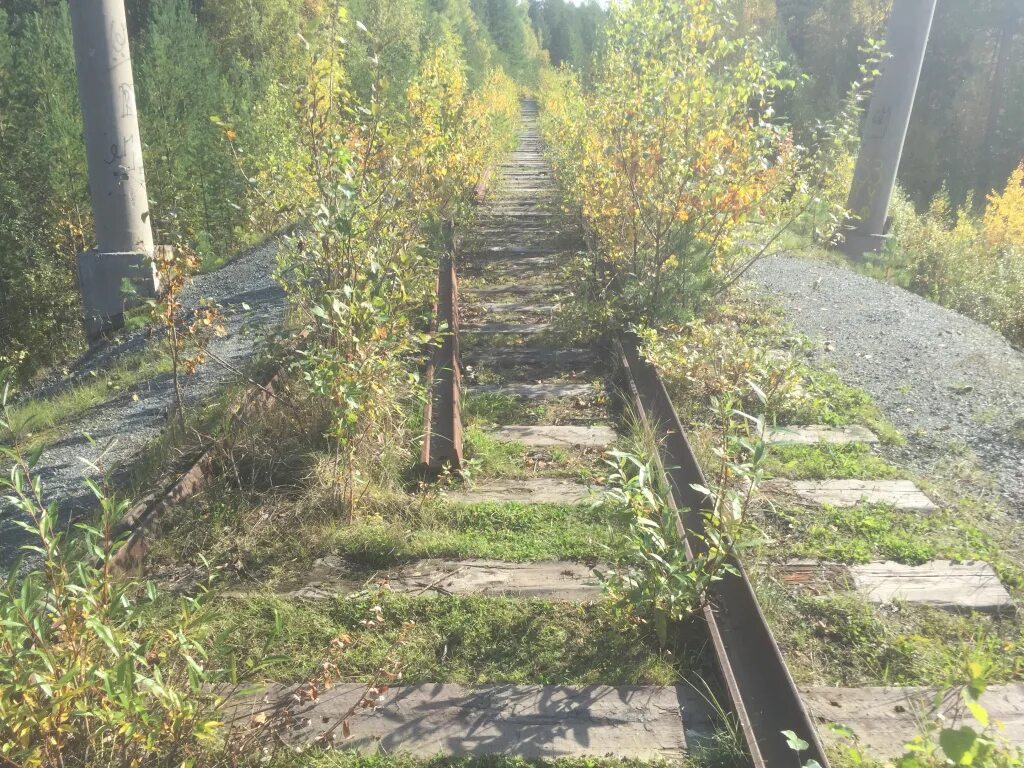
{"points": [[500, 408], [823, 461], [447, 640], [867, 532], [842, 640], [488, 457], [278, 542]]}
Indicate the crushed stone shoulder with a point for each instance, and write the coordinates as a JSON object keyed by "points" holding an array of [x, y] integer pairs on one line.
{"points": [[131, 420], [944, 380]]}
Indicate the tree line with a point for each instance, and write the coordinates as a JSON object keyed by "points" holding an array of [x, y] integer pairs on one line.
{"points": [[967, 129], [211, 181]]}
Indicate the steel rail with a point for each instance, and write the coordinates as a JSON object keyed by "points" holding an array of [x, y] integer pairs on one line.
{"points": [[442, 443], [442, 413], [137, 523], [762, 693]]}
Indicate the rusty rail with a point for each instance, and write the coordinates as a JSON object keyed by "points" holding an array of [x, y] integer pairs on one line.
{"points": [[442, 418], [140, 518], [442, 444], [763, 696]]}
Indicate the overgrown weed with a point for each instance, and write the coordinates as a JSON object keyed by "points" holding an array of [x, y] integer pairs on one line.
{"points": [[469, 640]]}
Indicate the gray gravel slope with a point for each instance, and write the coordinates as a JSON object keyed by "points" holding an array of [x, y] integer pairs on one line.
{"points": [[133, 423], [940, 377]]}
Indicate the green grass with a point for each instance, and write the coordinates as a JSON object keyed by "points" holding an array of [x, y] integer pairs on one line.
{"points": [[258, 541], [40, 421], [499, 408], [448, 640], [820, 462], [549, 338], [867, 532], [491, 458], [754, 331], [833, 402], [844, 640], [503, 531]]}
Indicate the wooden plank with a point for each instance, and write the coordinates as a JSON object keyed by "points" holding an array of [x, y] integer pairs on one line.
{"points": [[884, 719], [511, 357], [518, 308], [549, 579], [516, 250], [530, 721], [817, 434], [541, 490], [547, 436], [521, 329], [902, 494], [944, 584], [551, 391], [515, 289]]}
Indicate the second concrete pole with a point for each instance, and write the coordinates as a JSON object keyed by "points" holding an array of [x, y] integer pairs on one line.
{"points": [[885, 127]]}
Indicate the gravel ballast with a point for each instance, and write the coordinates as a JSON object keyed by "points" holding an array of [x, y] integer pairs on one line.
{"points": [[134, 418], [943, 379]]}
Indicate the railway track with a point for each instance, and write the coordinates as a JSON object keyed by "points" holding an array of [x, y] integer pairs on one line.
{"points": [[512, 264], [528, 417], [511, 270]]}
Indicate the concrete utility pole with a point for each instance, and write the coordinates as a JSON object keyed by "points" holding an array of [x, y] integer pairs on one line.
{"points": [[117, 184], [885, 128]]}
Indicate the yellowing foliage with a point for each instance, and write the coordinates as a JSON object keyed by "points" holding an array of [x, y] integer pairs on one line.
{"points": [[1004, 218], [673, 159], [973, 266], [390, 188], [452, 134]]}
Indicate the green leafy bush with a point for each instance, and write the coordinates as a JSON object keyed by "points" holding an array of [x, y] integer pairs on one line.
{"points": [[657, 576], [960, 261], [675, 161], [389, 188], [84, 680]]}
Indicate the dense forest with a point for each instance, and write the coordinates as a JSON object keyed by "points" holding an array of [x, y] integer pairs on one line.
{"points": [[240, 61], [216, 185], [967, 131], [968, 128], [569, 33]]}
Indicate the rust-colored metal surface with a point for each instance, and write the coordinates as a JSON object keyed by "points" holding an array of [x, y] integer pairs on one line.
{"points": [[762, 693], [138, 521], [442, 444]]}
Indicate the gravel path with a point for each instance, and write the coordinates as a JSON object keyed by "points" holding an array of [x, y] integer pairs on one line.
{"points": [[940, 377], [133, 423]]}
